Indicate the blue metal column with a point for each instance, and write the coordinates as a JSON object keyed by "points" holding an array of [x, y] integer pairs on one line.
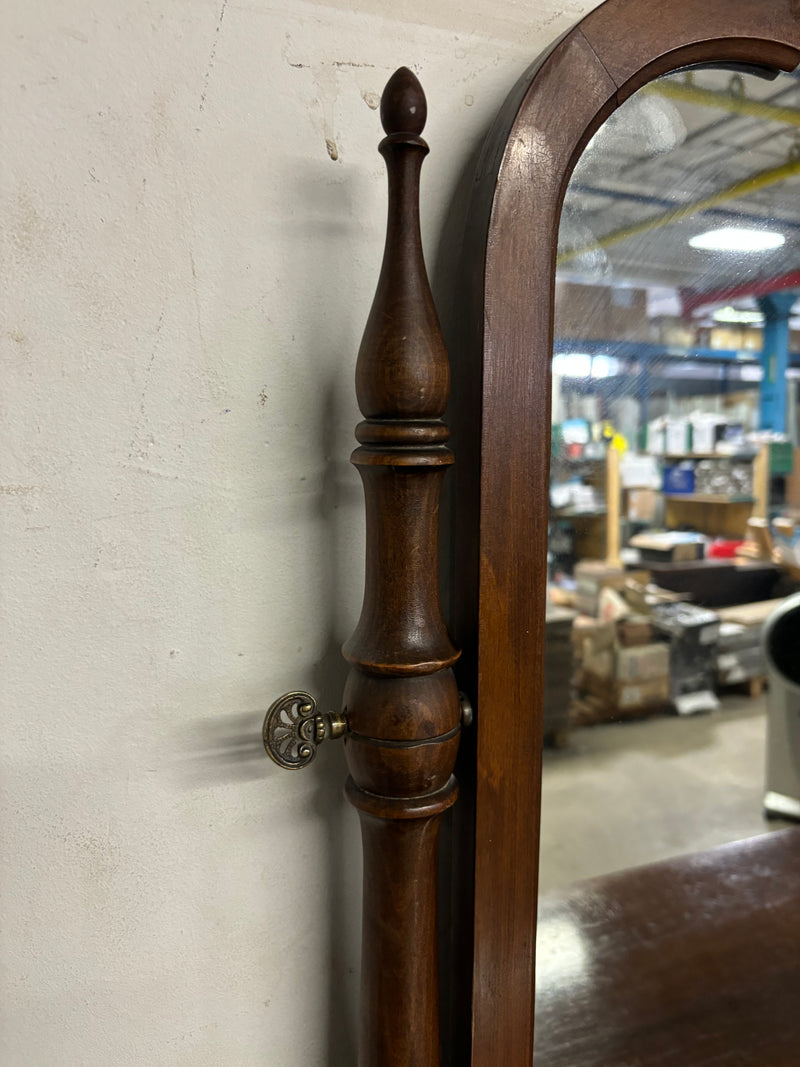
{"points": [[775, 359]]}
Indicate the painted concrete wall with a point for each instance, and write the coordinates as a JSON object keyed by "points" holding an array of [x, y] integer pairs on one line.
{"points": [[192, 226]]}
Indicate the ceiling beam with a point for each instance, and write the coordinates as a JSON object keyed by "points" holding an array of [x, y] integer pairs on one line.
{"points": [[744, 188], [581, 189], [692, 300], [725, 101]]}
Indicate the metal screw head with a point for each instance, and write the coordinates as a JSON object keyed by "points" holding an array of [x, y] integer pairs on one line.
{"points": [[467, 714]]}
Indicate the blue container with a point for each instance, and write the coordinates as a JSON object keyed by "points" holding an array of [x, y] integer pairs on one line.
{"points": [[679, 479]]}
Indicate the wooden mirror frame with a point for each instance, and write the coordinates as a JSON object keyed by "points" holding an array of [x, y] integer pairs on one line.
{"points": [[502, 475]]}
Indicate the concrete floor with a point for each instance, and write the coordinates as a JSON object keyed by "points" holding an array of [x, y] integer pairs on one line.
{"points": [[624, 794]]}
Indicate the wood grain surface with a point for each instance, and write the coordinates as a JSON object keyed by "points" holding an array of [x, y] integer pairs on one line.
{"points": [[401, 699], [691, 962], [502, 489]]}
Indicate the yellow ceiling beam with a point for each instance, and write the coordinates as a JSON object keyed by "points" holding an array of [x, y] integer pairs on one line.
{"points": [[733, 192], [725, 101]]}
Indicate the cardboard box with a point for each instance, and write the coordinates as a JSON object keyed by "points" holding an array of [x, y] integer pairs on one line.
{"points": [[669, 547], [643, 504], [634, 630], [591, 636], [644, 663], [591, 576], [611, 605], [601, 664], [612, 697], [642, 695], [643, 598]]}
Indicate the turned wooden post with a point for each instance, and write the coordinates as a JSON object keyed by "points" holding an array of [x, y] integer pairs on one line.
{"points": [[401, 700]]}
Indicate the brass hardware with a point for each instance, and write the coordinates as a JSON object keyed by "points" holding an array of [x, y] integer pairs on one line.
{"points": [[467, 714], [293, 729]]}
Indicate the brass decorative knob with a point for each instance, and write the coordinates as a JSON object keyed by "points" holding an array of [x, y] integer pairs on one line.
{"points": [[294, 729]]}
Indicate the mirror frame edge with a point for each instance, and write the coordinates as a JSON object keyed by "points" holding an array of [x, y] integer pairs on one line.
{"points": [[513, 217]]}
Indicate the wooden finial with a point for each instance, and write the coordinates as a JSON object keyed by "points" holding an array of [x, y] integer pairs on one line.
{"points": [[402, 370], [403, 105], [401, 698]]}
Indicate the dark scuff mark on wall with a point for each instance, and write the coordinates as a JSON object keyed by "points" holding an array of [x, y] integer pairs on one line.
{"points": [[210, 66]]}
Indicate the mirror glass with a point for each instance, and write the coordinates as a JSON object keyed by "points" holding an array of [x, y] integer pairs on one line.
{"points": [[675, 474]]}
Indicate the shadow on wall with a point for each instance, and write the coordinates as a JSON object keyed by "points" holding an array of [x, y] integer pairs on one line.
{"points": [[224, 749], [229, 749]]}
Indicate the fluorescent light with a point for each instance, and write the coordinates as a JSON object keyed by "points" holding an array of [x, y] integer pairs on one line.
{"points": [[739, 315], [573, 364], [605, 366], [737, 239], [751, 372]]}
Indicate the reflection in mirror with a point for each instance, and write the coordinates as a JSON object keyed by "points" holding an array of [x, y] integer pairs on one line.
{"points": [[675, 478]]}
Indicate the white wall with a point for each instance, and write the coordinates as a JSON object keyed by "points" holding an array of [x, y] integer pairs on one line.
{"points": [[187, 273]]}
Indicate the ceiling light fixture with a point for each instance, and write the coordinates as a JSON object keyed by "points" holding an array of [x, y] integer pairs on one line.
{"points": [[605, 366], [737, 239], [573, 364], [739, 315]]}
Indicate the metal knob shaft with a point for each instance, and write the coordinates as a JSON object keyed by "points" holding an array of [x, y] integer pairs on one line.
{"points": [[294, 729]]}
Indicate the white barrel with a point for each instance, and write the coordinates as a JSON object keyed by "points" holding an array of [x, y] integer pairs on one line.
{"points": [[781, 640]]}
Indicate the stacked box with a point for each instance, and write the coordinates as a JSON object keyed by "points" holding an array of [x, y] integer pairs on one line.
{"points": [[558, 672], [607, 700], [635, 630], [594, 645], [643, 662], [592, 576], [615, 681], [693, 635]]}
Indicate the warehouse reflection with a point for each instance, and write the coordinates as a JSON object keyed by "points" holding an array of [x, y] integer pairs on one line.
{"points": [[675, 471]]}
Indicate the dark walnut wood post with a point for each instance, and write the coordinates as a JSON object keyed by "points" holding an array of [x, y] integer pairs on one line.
{"points": [[401, 699]]}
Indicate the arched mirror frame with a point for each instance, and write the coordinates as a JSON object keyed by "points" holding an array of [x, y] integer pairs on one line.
{"points": [[510, 249]]}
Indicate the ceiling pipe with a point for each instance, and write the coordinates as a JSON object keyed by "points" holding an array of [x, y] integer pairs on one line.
{"points": [[780, 222], [739, 105], [739, 189]]}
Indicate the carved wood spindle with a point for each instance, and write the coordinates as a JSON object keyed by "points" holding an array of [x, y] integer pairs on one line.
{"points": [[401, 699]]}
